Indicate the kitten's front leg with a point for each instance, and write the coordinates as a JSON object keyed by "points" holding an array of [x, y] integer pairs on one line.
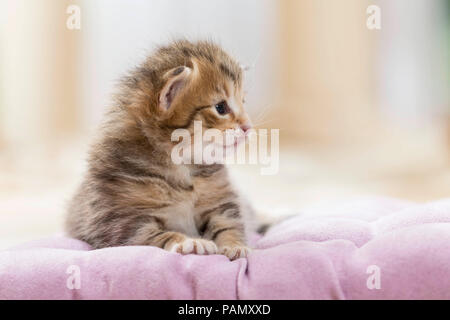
{"points": [[224, 226], [230, 245], [151, 234], [194, 246]]}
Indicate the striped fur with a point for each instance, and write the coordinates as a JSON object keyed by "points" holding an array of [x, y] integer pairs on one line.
{"points": [[132, 193]]}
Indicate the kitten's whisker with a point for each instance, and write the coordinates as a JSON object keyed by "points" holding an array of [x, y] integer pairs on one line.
{"points": [[251, 68], [256, 58], [264, 122], [266, 110], [264, 113]]}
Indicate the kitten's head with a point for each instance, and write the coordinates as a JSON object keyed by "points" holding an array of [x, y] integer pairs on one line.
{"points": [[195, 82]]}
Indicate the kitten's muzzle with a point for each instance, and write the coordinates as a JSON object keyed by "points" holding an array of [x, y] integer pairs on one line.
{"points": [[245, 128]]}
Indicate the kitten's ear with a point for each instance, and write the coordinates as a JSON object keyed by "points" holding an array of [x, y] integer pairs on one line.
{"points": [[177, 79]]}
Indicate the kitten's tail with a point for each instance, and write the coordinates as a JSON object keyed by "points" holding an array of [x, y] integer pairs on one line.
{"points": [[264, 221], [262, 228]]}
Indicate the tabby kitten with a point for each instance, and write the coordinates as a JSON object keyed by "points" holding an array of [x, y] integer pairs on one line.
{"points": [[133, 193]]}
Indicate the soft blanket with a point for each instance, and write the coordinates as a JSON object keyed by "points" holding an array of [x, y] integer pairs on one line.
{"points": [[365, 249]]}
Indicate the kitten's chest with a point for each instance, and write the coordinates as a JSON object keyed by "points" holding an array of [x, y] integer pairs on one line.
{"points": [[182, 219], [207, 193]]}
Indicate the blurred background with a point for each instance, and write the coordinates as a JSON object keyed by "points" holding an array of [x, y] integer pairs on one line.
{"points": [[361, 111]]}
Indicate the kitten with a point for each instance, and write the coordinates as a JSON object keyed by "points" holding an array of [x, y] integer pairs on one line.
{"points": [[133, 194]]}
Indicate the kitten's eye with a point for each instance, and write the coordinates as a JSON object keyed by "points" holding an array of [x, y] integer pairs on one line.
{"points": [[222, 108]]}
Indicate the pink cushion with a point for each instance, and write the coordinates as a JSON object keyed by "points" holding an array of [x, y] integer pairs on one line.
{"points": [[366, 249]]}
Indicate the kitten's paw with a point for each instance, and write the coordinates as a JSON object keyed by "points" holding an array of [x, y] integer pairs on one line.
{"points": [[194, 246], [235, 252]]}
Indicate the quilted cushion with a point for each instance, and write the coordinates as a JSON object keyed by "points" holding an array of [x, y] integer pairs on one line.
{"points": [[373, 248]]}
